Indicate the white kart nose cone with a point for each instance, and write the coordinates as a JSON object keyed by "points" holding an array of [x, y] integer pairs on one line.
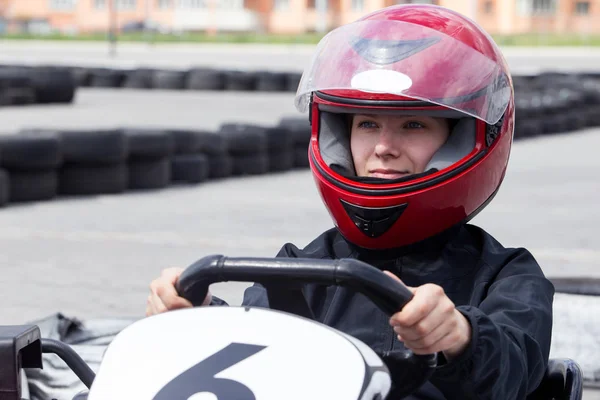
{"points": [[235, 353]]}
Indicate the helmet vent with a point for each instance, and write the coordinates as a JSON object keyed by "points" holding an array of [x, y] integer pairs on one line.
{"points": [[373, 222]]}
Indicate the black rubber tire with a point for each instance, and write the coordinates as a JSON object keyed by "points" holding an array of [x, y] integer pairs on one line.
{"points": [[281, 160], [185, 141], [149, 143], [220, 166], [271, 81], [106, 78], [29, 152], [293, 81], [140, 78], [53, 85], [253, 164], [527, 128], [298, 128], [82, 76], [94, 147], [577, 120], [301, 157], [149, 174], [557, 123], [593, 115], [244, 139], [169, 79], [205, 79], [523, 107], [16, 96], [582, 286], [82, 180], [211, 143], [278, 139], [32, 186], [240, 80], [16, 87], [4, 188], [21, 97], [190, 168], [192, 142]]}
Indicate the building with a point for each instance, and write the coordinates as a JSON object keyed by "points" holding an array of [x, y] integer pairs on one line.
{"points": [[286, 16]]}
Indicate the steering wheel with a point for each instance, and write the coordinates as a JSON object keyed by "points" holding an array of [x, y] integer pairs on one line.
{"points": [[408, 370]]}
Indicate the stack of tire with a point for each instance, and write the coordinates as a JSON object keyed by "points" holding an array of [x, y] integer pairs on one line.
{"points": [[299, 131], [16, 88], [199, 156], [247, 145], [30, 165], [198, 78], [149, 158], [94, 162], [36, 85], [555, 102]]}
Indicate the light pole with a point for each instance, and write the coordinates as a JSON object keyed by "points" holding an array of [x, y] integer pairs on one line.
{"points": [[321, 8], [112, 27]]}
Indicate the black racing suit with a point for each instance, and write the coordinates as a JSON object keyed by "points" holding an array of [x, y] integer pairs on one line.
{"points": [[502, 292]]}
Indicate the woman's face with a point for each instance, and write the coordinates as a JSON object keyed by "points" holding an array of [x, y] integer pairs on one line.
{"points": [[392, 147]]}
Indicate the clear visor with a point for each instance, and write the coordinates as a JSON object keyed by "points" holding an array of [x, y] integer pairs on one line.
{"points": [[405, 59]]}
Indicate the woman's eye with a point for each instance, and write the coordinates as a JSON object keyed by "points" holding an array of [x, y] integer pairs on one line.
{"points": [[414, 125], [367, 124]]}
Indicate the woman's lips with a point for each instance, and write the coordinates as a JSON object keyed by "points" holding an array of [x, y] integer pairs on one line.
{"points": [[387, 173]]}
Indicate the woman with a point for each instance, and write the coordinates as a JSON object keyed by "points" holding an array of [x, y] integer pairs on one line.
{"points": [[412, 115]]}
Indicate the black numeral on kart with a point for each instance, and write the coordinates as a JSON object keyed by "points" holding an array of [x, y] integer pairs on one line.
{"points": [[201, 377]]}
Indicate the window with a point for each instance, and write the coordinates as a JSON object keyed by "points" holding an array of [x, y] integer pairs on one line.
{"points": [[63, 5], [543, 6], [358, 5], [164, 4], [100, 4], [282, 4], [125, 4], [536, 7], [231, 4], [193, 3], [582, 8], [417, 2]]}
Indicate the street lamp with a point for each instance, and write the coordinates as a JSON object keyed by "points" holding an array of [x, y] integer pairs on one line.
{"points": [[321, 8], [112, 27]]}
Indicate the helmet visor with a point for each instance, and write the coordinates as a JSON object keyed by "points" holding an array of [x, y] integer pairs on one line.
{"points": [[409, 60]]}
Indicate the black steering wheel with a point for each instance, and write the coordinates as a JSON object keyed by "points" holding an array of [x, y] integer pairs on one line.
{"points": [[408, 370]]}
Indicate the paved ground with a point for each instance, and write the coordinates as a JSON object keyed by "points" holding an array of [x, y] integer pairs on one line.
{"points": [[93, 257]]}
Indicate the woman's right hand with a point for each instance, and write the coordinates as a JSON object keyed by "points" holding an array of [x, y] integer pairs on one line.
{"points": [[163, 295]]}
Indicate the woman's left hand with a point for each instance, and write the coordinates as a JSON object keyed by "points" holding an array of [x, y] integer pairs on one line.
{"points": [[430, 323]]}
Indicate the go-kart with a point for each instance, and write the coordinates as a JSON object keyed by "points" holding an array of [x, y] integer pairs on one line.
{"points": [[248, 353]]}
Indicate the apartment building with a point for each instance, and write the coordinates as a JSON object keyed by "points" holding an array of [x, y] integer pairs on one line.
{"points": [[291, 16]]}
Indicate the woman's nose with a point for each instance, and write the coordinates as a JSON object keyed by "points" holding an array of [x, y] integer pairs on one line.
{"points": [[387, 144]]}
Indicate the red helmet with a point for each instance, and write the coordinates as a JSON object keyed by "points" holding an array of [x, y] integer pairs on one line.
{"points": [[409, 59]]}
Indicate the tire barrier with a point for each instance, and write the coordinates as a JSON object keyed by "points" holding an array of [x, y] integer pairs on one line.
{"points": [[41, 164], [537, 90], [552, 102], [205, 78], [587, 286], [24, 85]]}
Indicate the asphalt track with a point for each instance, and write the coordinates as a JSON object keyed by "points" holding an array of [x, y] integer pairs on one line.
{"points": [[94, 257]]}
